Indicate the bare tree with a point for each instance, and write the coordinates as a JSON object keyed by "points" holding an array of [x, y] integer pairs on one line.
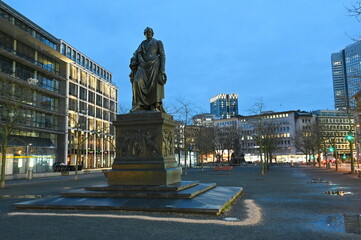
{"points": [[355, 10], [226, 139], [259, 129], [13, 101], [317, 140], [204, 142], [270, 140], [302, 142], [183, 113]]}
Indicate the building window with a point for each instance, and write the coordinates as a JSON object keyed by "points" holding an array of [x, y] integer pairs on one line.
{"points": [[98, 112], [63, 49], [78, 58], [83, 93], [73, 89], [91, 110], [6, 42], [68, 52], [72, 104], [91, 97], [99, 100], [48, 63], [25, 52], [83, 107], [24, 72]]}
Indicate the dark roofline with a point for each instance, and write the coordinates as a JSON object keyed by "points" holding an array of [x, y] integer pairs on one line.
{"points": [[26, 20]]}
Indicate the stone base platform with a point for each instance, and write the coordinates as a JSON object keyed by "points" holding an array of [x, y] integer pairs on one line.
{"points": [[111, 193], [170, 187], [188, 196]]}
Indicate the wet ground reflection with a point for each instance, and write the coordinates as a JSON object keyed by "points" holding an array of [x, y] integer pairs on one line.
{"points": [[348, 223], [338, 193], [352, 223], [319, 180]]}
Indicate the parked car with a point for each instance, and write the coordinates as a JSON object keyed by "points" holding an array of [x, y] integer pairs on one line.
{"points": [[62, 167]]}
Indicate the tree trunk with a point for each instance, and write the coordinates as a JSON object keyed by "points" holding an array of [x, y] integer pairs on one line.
{"points": [[77, 156], [262, 164], [319, 160], [3, 163], [179, 157], [185, 162], [336, 159]]}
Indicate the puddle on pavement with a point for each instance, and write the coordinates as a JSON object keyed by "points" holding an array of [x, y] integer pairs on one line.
{"points": [[230, 219], [338, 193], [348, 223], [319, 180]]}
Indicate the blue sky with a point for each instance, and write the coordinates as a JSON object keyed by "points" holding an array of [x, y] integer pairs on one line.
{"points": [[276, 50]]}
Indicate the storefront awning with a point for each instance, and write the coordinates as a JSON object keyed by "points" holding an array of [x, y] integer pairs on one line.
{"points": [[22, 141]]}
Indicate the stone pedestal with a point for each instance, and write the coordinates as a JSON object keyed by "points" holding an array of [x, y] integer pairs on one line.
{"points": [[145, 150]]}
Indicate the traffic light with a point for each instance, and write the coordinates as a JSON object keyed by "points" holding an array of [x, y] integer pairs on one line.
{"points": [[331, 149], [349, 137]]}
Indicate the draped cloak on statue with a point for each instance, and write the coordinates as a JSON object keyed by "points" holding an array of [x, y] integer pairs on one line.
{"points": [[147, 76]]}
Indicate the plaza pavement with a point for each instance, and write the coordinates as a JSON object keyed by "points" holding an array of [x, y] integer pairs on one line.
{"points": [[286, 203]]}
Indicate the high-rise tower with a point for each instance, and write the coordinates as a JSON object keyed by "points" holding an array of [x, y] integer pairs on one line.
{"points": [[346, 75], [224, 105]]}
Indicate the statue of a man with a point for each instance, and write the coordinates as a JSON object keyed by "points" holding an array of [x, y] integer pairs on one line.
{"points": [[148, 74]]}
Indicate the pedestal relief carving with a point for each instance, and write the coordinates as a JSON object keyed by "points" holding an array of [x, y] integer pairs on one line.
{"points": [[145, 150]]}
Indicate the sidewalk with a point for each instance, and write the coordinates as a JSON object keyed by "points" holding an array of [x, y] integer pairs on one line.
{"points": [[343, 169], [22, 176]]}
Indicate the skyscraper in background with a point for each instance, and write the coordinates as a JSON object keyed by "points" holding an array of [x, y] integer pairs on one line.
{"points": [[224, 105], [346, 75]]}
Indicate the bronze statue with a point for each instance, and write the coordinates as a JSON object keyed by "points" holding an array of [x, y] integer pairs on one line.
{"points": [[148, 74]]}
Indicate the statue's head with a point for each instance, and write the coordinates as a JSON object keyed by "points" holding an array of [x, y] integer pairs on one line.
{"points": [[148, 33]]}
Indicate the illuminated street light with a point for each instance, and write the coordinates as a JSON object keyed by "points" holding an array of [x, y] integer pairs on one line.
{"points": [[350, 139]]}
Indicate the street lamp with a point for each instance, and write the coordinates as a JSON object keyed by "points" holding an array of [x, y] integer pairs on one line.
{"points": [[29, 170], [350, 139]]}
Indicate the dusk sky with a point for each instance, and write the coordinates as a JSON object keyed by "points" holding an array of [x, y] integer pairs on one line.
{"points": [[276, 50]]}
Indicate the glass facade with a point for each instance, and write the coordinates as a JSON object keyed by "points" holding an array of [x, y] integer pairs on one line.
{"points": [[224, 105], [27, 28], [31, 77], [67, 96], [84, 61], [92, 107], [346, 74]]}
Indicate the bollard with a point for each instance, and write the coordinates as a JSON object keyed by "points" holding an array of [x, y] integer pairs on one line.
{"points": [[29, 174]]}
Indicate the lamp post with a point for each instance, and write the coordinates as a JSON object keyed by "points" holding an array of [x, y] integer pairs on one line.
{"points": [[350, 139], [29, 170], [332, 150]]}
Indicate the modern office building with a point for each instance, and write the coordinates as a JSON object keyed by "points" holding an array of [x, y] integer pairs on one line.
{"points": [[70, 93], [224, 106], [92, 106], [204, 119], [283, 128], [279, 126], [336, 125], [346, 75]]}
